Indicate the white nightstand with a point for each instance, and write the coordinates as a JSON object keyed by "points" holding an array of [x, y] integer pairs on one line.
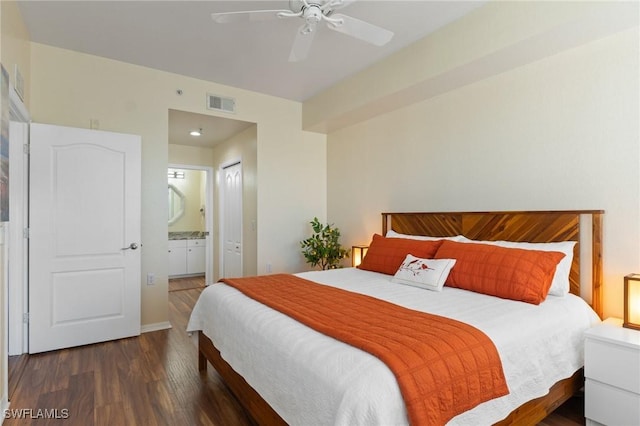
{"points": [[612, 374]]}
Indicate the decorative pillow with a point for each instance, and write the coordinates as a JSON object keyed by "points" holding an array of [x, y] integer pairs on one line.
{"points": [[429, 274], [560, 284], [386, 254], [393, 234], [510, 273]]}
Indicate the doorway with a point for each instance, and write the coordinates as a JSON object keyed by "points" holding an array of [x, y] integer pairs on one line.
{"points": [[221, 142], [190, 222]]}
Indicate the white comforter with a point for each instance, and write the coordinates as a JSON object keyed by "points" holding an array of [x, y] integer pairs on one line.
{"points": [[312, 379]]}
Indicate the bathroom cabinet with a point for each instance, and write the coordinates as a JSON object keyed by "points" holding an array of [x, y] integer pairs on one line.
{"points": [[187, 257]]}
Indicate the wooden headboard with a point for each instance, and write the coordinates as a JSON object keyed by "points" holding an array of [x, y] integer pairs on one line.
{"points": [[521, 226]]}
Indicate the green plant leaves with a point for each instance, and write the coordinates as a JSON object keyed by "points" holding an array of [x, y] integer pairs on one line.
{"points": [[323, 247]]}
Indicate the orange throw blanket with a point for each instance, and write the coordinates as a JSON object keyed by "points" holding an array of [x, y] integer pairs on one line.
{"points": [[443, 367]]}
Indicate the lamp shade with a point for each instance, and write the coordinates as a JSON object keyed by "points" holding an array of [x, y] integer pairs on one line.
{"points": [[632, 301], [357, 254]]}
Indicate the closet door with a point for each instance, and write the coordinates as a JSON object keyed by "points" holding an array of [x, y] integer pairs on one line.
{"points": [[232, 220]]}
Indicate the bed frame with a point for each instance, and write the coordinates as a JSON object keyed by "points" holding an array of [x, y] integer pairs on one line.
{"points": [[582, 226]]}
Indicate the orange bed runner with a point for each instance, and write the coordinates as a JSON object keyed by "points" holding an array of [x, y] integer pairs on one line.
{"points": [[443, 367]]}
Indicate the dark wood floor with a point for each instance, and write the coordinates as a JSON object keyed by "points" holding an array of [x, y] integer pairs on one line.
{"points": [[148, 380]]}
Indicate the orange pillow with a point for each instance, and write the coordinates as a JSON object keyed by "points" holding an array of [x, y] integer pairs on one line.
{"points": [[385, 255], [510, 273]]}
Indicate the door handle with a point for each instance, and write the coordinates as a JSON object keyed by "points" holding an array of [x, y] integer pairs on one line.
{"points": [[132, 246]]}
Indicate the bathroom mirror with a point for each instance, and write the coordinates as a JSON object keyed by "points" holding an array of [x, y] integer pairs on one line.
{"points": [[176, 204]]}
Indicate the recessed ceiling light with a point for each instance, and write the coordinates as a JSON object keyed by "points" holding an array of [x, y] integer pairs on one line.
{"points": [[196, 132]]}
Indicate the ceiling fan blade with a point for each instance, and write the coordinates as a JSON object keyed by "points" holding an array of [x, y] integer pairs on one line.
{"points": [[248, 15], [337, 4], [360, 29], [302, 43]]}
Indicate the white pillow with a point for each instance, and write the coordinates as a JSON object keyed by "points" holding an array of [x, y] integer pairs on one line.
{"points": [[393, 234], [429, 274], [560, 284]]}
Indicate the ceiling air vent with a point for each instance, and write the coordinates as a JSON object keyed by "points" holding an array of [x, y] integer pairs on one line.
{"points": [[221, 104]]}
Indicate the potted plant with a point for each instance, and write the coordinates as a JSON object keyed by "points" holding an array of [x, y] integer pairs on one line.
{"points": [[323, 248]]}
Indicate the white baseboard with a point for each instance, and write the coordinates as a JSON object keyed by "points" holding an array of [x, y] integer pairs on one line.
{"points": [[146, 328]]}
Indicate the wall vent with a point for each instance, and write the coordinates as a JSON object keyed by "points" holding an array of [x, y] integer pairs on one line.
{"points": [[220, 103]]}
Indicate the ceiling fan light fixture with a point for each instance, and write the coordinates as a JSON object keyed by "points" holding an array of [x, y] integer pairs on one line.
{"points": [[313, 12]]}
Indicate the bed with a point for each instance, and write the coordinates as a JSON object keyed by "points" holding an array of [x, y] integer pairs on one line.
{"points": [[297, 376]]}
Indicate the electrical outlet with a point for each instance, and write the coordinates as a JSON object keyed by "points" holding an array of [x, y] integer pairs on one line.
{"points": [[151, 278], [268, 268]]}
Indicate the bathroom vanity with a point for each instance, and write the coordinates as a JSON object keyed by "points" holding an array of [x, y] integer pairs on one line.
{"points": [[186, 256]]}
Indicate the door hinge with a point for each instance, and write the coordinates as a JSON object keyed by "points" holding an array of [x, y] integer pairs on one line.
{"points": [[25, 233], [25, 318], [26, 149]]}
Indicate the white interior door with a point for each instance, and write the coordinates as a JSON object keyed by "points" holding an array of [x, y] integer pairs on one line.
{"points": [[232, 220], [18, 221], [84, 261], [17, 298]]}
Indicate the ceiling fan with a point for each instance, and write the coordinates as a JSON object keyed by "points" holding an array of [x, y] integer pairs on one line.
{"points": [[313, 12]]}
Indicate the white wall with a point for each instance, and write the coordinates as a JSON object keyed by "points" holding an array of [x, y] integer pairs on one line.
{"points": [[70, 88], [560, 133]]}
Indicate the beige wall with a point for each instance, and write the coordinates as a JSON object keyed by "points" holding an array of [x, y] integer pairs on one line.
{"points": [[243, 147], [190, 155], [495, 38], [14, 45], [14, 50], [71, 88], [559, 133]]}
